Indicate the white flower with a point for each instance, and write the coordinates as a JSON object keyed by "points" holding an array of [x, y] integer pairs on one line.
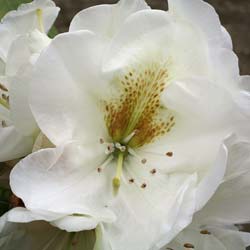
{"points": [[139, 121], [212, 227], [21, 43]]}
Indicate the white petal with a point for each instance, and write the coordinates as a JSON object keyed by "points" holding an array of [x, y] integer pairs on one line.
{"points": [[190, 97], [200, 14], [230, 203], [24, 19], [162, 208], [76, 223], [64, 87], [64, 181], [218, 239], [243, 97], [13, 145], [106, 20], [210, 183]]}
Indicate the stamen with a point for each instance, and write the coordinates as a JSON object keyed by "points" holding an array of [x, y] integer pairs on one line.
{"points": [[4, 103], [169, 154], [188, 245], [205, 232], [117, 178], [144, 185], [101, 140], [110, 148], [132, 180], [39, 13], [129, 137], [105, 163], [3, 88], [153, 171], [4, 125]]}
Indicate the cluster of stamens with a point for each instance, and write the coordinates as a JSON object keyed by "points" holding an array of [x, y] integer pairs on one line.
{"points": [[135, 117], [138, 110]]}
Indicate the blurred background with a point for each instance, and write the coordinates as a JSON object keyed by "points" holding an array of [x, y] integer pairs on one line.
{"points": [[234, 14]]}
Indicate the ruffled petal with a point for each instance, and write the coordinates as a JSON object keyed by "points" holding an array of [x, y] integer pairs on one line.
{"points": [[64, 88], [65, 181], [199, 14], [14, 145], [105, 20]]}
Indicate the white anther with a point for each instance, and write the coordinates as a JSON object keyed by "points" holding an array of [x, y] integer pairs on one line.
{"points": [[110, 148]]}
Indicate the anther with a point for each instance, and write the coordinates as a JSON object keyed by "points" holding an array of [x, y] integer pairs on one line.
{"points": [[143, 161], [99, 170], [131, 180], [101, 141], [153, 171], [144, 185], [110, 148], [4, 124], [169, 154], [205, 232], [188, 245], [3, 88]]}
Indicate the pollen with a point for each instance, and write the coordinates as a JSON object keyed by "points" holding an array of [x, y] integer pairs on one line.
{"points": [[137, 110]]}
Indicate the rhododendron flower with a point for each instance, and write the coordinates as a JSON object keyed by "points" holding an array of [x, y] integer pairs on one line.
{"points": [[213, 226], [22, 39], [138, 118]]}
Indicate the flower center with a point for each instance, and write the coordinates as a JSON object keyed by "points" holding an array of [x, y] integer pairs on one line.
{"points": [[137, 117]]}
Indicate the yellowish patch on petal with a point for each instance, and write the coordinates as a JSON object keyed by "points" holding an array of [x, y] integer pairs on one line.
{"points": [[137, 109]]}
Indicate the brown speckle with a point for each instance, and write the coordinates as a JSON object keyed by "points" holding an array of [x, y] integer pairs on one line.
{"points": [[99, 170]]}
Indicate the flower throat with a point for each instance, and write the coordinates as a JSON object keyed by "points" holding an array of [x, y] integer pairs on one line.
{"points": [[136, 117]]}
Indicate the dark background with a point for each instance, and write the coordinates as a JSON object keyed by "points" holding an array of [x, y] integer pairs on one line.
{"points": [[234, 14]]}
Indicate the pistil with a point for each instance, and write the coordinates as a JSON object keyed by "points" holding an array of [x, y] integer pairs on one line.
{"points": [[117, 178], [39, 13]]}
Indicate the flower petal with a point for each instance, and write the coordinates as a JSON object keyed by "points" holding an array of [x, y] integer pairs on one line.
{"points": [[64, 181], [106, 19], [200, 14], [64, 83], [217, 238], [163, 207], [230, 204], [13, 145]]}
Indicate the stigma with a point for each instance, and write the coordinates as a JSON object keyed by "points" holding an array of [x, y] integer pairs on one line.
{"points": [[39, 14]]}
